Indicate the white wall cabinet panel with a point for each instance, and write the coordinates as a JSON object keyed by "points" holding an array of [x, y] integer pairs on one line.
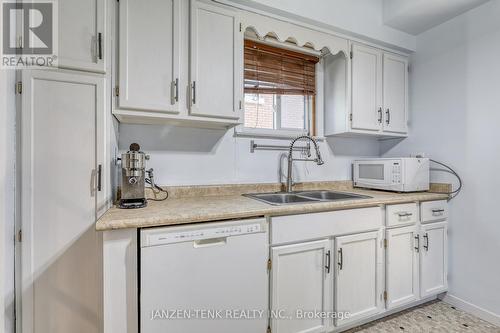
{"points": [[395, 93], [376, 102], [149, 57], [82, 35], [63, 144], [401, 266], [359, 260], [216, 67], [366, 88], [301, 280], [434, 259]]}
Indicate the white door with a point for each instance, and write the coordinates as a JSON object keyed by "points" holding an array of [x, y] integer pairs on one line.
{"points": [[434, 259], [301, 280], [359, 270], [395, 93], [216, 61], [401, 266], [62, 145], [366, 88], [149, 55], [82, 35]]}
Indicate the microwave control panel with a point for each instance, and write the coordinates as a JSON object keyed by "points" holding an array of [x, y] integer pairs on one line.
{"points": [[396, 173]]}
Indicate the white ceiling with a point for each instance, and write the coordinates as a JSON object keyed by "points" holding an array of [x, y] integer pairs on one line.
{"points": [[417, 16]]}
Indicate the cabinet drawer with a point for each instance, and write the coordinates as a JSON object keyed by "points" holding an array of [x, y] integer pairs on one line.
{"points": [[434, 211], [295, 228], [401, 214]]}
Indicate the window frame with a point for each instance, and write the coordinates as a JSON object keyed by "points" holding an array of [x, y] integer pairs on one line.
{"points": [[313, 117]]}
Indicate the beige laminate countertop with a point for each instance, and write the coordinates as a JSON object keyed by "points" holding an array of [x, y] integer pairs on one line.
{"points": [[225, 206]]}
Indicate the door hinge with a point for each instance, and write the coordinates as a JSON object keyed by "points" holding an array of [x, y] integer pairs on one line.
{"points": [[19, 88], [240, 105], [408, 68], [269, 264], [385, 243], [385, 295], [117, 91], [241, 26], [350, 117], [269, 329], [20, 236], [351, 54]]}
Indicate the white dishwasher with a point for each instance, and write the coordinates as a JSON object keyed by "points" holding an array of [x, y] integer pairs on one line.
{"points": [[209, 278]]}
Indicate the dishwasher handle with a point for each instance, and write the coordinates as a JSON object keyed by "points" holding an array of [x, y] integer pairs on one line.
{"points": [[202, 243]]}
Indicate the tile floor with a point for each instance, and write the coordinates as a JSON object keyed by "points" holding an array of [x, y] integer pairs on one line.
{"points": [[432, 317]]}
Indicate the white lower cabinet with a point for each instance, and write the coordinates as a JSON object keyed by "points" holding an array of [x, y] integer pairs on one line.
{"points": [[359, 271], [352, 274], [301, 280], [402, 266], [433, 259]]}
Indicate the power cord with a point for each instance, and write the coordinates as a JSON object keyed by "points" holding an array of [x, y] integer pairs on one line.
{"points": [[155, 188], [448, 169]]}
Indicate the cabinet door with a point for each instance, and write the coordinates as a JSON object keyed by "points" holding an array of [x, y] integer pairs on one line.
{"points": [[61, 250], [301, 280], [82, 37], [434, 259], [401, 266], [216, 61], [366, 88], [395, 93], [149, 54], [359, 270]]}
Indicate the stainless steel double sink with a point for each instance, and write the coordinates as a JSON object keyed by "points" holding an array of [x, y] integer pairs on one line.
{"points": [[285, 198]]}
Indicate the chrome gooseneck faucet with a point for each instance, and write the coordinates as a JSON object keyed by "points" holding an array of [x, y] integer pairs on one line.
{"points": [[318, 159]]}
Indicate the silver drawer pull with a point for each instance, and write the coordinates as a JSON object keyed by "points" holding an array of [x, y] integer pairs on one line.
{"points": [[404, 214], [437, 212]]}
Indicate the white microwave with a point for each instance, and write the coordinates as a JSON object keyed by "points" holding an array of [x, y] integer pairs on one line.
{"points": [[392, 174]]}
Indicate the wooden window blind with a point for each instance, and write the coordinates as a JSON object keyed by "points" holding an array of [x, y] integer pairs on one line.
{"points": [[273, 70]]}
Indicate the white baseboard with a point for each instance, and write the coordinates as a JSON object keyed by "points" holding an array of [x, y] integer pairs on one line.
{"points": [[472, 309]]}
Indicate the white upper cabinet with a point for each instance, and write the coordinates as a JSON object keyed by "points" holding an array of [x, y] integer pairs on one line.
{"points": [[216, 66], [434, 259], [359, 268], [149, 55], [366, 88], [179, 63], [402, 266], [395, 93], [301, 280], [82, 35], [366, 94]]}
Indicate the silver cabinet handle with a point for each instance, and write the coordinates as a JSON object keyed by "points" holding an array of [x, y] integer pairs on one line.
{"points": [[417, 243], [388, 116], [99, 45], [176, 90], [380, 115], [341, 259], [426, 244], [99, 178], [437, 212], [193, 88], [327, 266], [174, 93], [404, 216]]}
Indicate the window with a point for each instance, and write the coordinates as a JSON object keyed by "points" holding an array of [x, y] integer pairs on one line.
{"points": [[280, 86]]}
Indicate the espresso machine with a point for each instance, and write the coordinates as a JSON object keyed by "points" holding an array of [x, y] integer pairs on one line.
{"points": [[133, 185]]}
